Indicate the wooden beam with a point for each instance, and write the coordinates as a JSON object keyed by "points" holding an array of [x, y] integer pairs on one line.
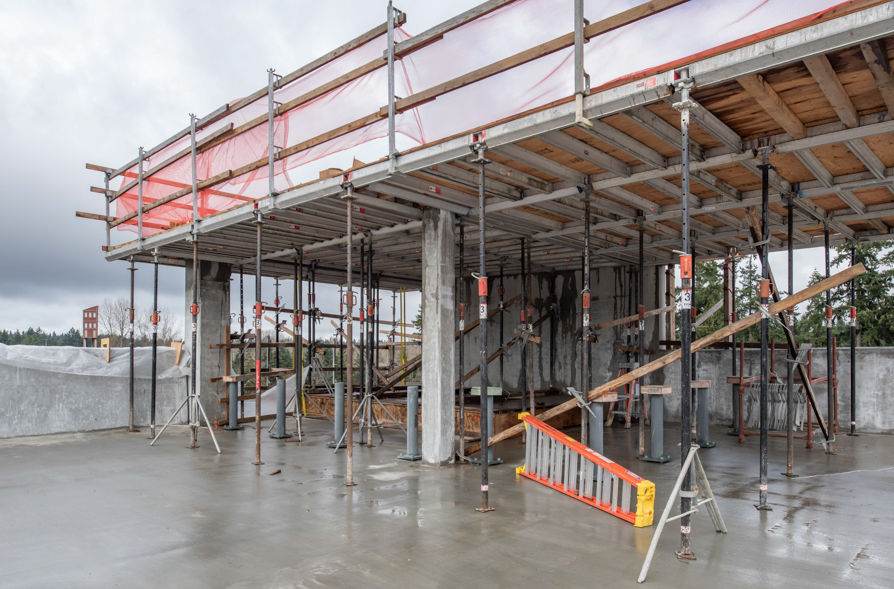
{"points": [[824, 74], [707, 314], [623, 320], [719, 335], [94, 216], [765, 96], [102, 169], [877, 58]]}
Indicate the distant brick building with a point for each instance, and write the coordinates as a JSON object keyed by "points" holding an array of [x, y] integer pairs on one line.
{"points": [[91, 326]]}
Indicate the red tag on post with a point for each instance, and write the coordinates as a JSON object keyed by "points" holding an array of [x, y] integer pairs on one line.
{"points": [[686, 266], [482, 287]]}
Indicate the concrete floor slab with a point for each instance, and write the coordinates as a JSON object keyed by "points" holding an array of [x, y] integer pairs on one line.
{"points": [[106, 510]]}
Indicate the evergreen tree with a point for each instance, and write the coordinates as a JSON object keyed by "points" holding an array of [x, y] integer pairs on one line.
{"points": [[708, 291], [875, 294]]}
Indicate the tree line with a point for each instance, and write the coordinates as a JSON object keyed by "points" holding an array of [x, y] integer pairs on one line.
{"points": [[874, 298]]}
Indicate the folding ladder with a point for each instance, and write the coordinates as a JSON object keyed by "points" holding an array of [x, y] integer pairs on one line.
{"points": [[566, 465]]}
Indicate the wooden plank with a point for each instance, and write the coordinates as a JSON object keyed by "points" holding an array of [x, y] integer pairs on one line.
{"points": [[102, 169], [824, 74], [656, 389], [707, 314], [621, 19], [397, 334], [94, 216], [877, 58], [623, 320], [251, 375], [719, 335], [701, 384], [761, 91], [500, 352]]}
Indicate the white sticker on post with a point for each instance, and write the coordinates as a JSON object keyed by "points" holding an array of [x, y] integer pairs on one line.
{"points": [[686, 298], [482, 311]]}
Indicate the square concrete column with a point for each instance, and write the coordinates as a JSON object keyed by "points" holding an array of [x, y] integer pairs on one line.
{"points": [[213, 328], [438, 327]]}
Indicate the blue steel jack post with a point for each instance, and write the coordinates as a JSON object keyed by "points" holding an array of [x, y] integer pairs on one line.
{"points": [[412, 452], [656, 422], [491, 393]]}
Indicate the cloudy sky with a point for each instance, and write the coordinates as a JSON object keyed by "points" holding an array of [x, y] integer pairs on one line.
{"points": [[91, 81]]}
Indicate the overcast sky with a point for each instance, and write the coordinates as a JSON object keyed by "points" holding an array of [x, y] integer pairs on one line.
{"points": [[92, 81]]}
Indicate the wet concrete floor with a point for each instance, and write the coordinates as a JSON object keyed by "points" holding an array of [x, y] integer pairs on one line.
{"points": [[106, 510]]}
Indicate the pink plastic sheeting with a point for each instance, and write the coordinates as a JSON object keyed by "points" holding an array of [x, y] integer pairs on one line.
{"points": [[671, 36]]}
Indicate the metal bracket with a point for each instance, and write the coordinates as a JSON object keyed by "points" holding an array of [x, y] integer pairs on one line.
{"points": [[581, 402]]}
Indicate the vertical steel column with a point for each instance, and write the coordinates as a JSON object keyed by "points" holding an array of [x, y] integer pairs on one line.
{"points": [[523, 360], [271, 148], [591, 426], [258, 312], [140, 195], [192, 144], [640, 339], [552, 327], [529, 354], [392, 140], [461, 392], [765, 325], [482, 328], [297, 344], [790, 379], [362, 372], [130, 426], [108, 215], [684, 85], [734, 358], [241, 338], [154, 382], [853, 322], [194, 348], [501, 291], [349, 319], [276, 303], [371, 304], [581, 79], [830, 373]]}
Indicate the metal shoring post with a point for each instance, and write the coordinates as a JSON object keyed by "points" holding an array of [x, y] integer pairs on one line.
{"points": [[363, 319], [640, 344], [241, 338], [685, 553], [391, 363], [341, 327], [297, 344], [529, 353], [735, 371], [595, 425], [581, 78], [154, 381], [370, 329], [853, 322], [482, 327], [765, 168], [524, 348], [501, 291], [552, 327], [790, 379], [140, 196], [830, 373], [258, 312], [192, 410], [349, 331], [461, 346], [276, 303], [130, 426]]}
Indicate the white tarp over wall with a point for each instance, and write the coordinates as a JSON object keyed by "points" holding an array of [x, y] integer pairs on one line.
{"points": [[92, 361]]}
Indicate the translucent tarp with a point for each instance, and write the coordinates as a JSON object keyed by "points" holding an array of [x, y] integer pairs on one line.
{"points": [[672, 37], [92, 361]]}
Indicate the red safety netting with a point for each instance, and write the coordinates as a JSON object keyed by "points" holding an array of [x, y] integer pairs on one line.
{"points": [[653, 44]]}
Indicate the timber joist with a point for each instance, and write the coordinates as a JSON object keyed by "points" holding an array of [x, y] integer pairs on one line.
{"points": [[821, 99]]}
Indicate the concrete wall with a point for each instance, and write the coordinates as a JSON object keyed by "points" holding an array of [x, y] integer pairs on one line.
{"points": [[875, 370], [36, 402]]}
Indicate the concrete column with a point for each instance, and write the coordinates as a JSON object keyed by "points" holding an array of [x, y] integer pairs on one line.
{"points": [[213, 327], [438, 326]]}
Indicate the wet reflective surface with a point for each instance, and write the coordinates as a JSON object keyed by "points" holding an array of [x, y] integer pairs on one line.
{"points": [[106, 510]]}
